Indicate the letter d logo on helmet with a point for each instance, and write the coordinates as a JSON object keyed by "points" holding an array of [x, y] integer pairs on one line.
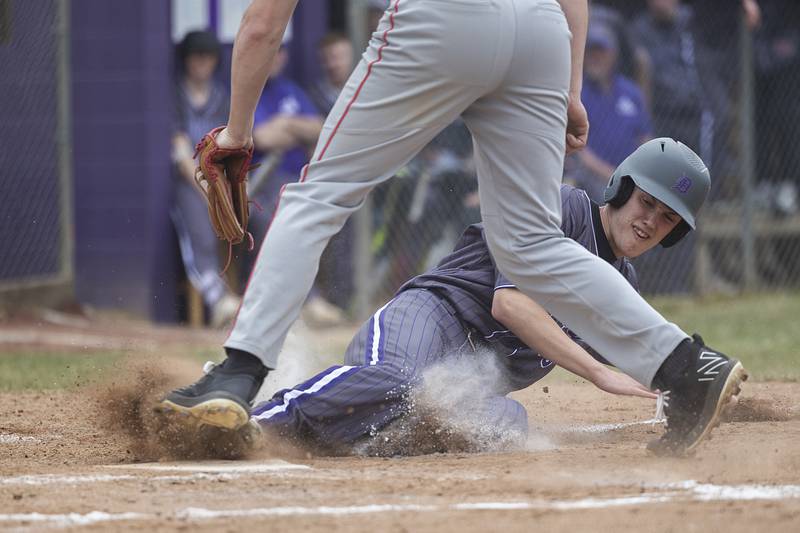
{"points": [[669, 171]]}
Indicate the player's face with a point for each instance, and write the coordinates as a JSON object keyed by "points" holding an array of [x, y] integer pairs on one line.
{"points": [[664, 9], [337, 60], [600, 62], [640, 224], [200, 67]]}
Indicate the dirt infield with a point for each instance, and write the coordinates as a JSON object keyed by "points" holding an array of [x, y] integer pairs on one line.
{"points": [[585, 468], [65, 464]]}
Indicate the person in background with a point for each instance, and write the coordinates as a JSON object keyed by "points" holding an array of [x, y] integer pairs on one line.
{"points": [[633, 61], [286, 128], [335, 52], [688, 100], [201, 102], [777, 55], [616, 109], [336, 59]]}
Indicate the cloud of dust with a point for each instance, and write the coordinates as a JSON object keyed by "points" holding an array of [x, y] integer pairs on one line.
{"points": [[460, 406], [299, 360], [125, 406]]}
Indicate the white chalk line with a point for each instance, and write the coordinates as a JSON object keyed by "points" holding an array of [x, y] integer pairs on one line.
{"points": [[72, 519], [604, 428], [55, 479], [215, 470], [688, 490], [218, 470], [217, 466], [13, 438]]}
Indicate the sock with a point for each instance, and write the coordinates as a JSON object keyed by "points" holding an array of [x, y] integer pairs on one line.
{"points": [[241, 361], [676, 365]]}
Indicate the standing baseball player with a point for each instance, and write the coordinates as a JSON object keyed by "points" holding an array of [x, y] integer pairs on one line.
{"points": [[513, 70]]}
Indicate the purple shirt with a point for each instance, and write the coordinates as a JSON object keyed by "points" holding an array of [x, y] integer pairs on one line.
{"points": [[282, 96], [618, 118]]}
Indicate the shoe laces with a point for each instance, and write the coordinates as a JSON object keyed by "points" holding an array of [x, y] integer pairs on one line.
{"points": [[662, 403]]}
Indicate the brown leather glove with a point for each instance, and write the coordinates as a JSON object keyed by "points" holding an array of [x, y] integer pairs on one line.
{"points": [[222, 176]]}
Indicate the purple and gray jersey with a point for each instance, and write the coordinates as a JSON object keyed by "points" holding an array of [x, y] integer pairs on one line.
{"points": [[434, 316], [468, 277]]}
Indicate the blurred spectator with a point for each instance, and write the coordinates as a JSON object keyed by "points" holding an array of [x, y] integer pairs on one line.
{"points": [[336, 265], [616, 110], [633, 60], [285, 131], [336, 59], [201, 104], [689, 101], [777, 54]]}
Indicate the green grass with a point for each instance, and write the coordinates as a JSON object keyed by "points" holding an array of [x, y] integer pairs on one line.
{"points": [[762, 330], [52, 370]]}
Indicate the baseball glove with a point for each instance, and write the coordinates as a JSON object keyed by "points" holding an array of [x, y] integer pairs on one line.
{"points": [[222, 176]]}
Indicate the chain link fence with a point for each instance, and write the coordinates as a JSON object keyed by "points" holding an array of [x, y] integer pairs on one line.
{"points": [[724, 85], [35, 178]]}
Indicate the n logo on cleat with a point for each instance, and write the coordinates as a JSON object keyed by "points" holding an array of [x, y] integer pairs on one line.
{"points": [[710, 369]]}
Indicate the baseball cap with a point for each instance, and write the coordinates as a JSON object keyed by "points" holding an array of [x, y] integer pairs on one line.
{"points": [[601, 36]]}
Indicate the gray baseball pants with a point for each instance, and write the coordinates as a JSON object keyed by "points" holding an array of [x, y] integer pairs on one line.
{"points": [[504, 66]]}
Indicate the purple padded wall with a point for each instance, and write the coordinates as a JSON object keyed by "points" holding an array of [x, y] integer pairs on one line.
{"points": [[122, 83]]}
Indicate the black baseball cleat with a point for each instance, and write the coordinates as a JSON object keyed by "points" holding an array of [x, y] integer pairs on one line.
{"points": [[700, 384], [221, 398]]}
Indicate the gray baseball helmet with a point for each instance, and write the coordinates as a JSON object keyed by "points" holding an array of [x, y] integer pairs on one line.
{"points": [[669, 171]]}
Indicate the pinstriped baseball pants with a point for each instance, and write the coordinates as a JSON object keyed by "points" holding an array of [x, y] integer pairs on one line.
{"points": [[383, 364], [503, 65]]}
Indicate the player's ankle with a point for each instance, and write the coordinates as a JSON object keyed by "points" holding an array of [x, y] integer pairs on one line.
{"points": [[245, 362], [676, 366]]}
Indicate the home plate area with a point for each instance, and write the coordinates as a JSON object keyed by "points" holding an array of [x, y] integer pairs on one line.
{"points": [[585, 468]]}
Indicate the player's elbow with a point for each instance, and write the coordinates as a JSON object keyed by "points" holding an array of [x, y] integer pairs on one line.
{"points": [[503, 305], [258, 31]]}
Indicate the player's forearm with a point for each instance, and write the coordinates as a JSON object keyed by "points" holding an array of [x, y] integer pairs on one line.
{"points": [[273, 135], [534, 326], [306, 129], [577, 13], [259, 37], [182, 156]]}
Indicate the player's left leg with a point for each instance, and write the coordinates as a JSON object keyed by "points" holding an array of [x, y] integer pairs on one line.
{"points": [[519, 133], [382, 366], [499, 423]]}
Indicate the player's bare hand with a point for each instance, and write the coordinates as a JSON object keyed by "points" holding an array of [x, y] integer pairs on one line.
{"points": [[752, 13], [619, 383], [577, 125], [226, 140]]}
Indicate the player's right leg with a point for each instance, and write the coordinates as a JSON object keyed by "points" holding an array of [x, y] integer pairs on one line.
{"points": [[519, 137]]}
